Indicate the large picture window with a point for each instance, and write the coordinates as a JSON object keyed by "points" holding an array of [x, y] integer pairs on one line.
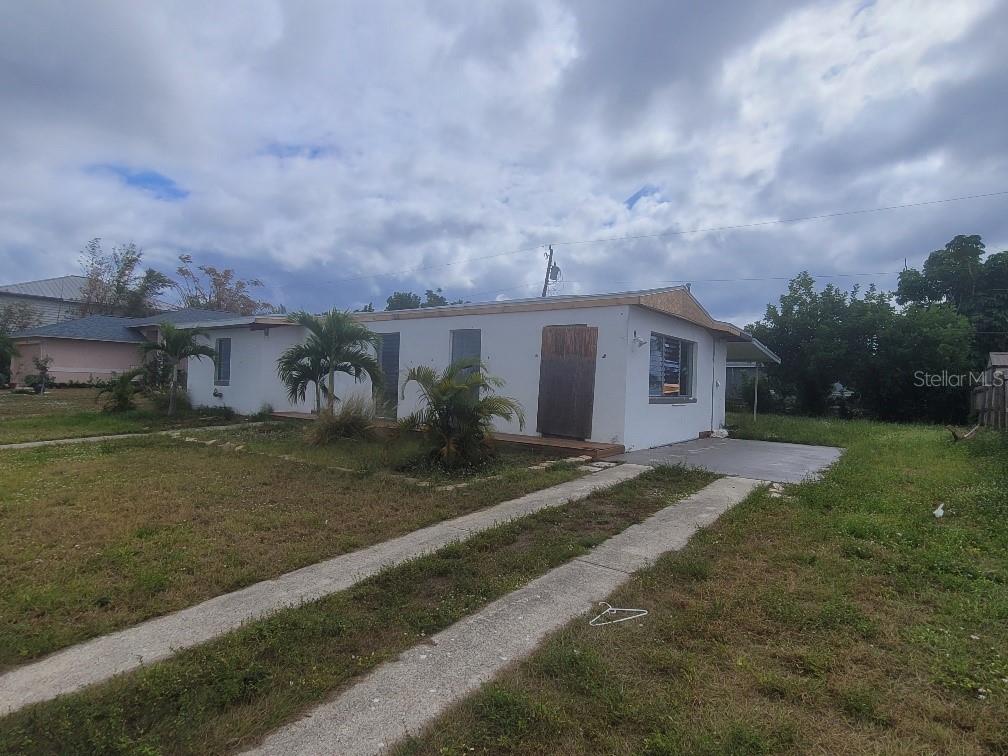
{"points": [[671, 369]]}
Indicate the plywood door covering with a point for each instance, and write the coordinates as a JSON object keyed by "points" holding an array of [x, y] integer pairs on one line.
{"points": [[567, 380]]}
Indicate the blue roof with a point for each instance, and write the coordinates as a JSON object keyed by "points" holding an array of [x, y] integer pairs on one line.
{"points": [[111, 328]]}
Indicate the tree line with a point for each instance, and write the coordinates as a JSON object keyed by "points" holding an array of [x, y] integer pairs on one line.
{"points": [[941, 320]]}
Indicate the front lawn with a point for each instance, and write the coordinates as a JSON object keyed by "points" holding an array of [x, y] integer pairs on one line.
{"points": [[75, 413], [101, 536], [225, 695], [842, 618]]}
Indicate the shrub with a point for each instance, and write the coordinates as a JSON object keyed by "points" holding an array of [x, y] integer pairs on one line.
{"points": [[265, 412], [456, 413], [118, 396], [354, 418]]}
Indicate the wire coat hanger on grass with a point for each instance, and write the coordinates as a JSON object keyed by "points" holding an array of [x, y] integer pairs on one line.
{"points": [[611, 610]]}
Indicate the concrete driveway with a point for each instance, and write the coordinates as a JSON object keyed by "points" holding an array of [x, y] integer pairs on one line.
{"points": [[761, 460]]}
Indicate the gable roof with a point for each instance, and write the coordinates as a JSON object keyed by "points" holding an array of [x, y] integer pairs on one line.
{"points": [[67, 288], [111, 328]]}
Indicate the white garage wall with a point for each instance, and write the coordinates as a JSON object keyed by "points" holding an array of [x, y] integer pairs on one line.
{"points": [[650, 425]]}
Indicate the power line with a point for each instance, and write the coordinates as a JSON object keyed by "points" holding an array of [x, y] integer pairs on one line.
{"points": [[678, 232], [783, 220]]}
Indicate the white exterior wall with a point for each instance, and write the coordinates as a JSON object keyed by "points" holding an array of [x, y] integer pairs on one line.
{"points": [[650, 425], [254, 380], [510, 344]]}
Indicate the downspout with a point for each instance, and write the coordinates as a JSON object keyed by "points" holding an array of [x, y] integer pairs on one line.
{"points": [[713, 371]]}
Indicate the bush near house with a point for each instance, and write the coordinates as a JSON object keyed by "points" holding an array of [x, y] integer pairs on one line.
{"points": [[457, 408]]}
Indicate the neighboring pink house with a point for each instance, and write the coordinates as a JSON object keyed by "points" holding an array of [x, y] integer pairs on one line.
{"points": [[96, 347]]}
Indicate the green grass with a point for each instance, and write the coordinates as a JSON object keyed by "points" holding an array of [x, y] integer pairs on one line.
{"points": [[227, 694], [843, 618], [75, 413], [104, 535]]}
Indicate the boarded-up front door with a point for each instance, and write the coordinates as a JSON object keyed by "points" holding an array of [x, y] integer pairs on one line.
{"points": [[567, 380]]}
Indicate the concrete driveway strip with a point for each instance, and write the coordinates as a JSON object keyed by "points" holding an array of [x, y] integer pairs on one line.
{"points": [[119, 436], [764, 460], [402, 697], [99, 659]]}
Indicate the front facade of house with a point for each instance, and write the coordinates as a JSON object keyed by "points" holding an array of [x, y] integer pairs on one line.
{"points": [[94, 348], [639, 369]]}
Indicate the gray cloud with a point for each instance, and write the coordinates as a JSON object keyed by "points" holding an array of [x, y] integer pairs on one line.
{"points": [[332, 149]]}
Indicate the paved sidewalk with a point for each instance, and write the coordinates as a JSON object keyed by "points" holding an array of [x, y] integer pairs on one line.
{"points": [[403, 696], [96, 439], [99, 659]]}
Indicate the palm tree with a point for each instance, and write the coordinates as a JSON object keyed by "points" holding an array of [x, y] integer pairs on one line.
{"points": [[336, 343], [297, 372], [177, 344], [453, 415]]}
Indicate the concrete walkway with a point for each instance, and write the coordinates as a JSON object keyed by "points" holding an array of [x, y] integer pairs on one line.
{"points": [[402, 697], [761, 460], [96, 439], [99, 659]]}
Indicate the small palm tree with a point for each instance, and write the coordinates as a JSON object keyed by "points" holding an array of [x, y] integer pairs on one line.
{"points": [[118, 394], [457, 408], [336, 343], [177, 344], [298, 371]]}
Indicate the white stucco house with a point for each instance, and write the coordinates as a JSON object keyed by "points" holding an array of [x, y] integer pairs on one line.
{"points": [[640, 369]]}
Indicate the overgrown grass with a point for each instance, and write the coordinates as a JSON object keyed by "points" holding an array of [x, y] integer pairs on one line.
{"points": [[101, 536], [229, 693], [399, 453], [842, 618], [75, 413]]}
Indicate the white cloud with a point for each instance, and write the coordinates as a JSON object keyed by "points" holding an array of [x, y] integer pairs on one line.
{"points": [[320, 143]]}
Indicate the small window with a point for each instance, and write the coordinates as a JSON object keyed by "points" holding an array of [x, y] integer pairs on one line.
{"points": [[222, 365], [670, 376], [388, 357]]}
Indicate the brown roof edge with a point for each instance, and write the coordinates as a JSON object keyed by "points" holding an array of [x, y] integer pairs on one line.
{"points": [[677, 301]]}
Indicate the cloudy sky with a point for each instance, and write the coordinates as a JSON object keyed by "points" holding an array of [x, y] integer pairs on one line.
{"points": [[340, 151]]}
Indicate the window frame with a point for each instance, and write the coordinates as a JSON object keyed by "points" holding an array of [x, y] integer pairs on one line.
{"points": [[691, 370], [218, 363]]}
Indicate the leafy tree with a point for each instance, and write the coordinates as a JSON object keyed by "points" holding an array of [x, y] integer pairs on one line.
{"points": [[18, 316], [457, 407], [402, 300], [336, 343], [209, 288], [960, 276], [115, 285], [13, 318], [804, 330], [7, 352], [865, 343], [369, 307], [407, 300], [175, 345]]}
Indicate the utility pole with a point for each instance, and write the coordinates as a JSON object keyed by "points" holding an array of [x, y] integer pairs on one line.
{"points": [[552, 271]]}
